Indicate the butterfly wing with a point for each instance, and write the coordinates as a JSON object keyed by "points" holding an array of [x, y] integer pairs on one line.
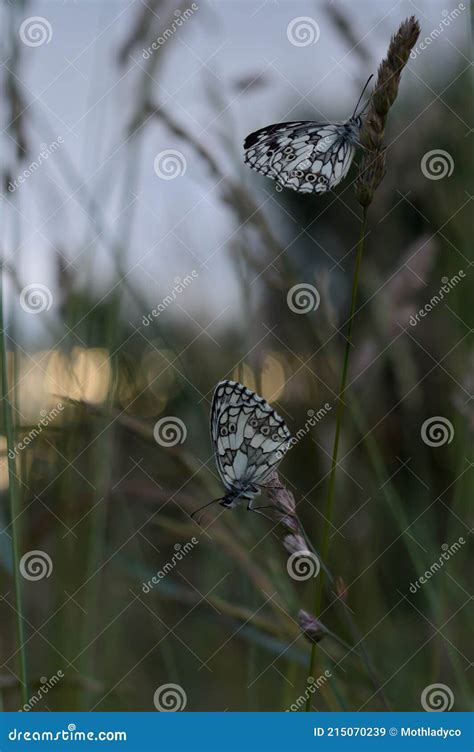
{"points": [[304, 156], [248, 436]]}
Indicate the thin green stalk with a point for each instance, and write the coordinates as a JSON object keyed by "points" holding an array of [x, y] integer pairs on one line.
{"points": [[339, 418], [14, 494], [359, 649], [13, 487], [104, 449]]}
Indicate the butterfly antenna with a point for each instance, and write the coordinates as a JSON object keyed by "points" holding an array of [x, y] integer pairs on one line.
{"points": [[362, 94], [214, 501]]}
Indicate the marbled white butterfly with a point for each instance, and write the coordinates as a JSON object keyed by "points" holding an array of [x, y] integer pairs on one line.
{"points": [[305, 156], [249, 439]]}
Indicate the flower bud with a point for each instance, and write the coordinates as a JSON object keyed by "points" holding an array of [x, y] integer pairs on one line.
{"points": [[290, 522], [294, 543], [311, 627]]}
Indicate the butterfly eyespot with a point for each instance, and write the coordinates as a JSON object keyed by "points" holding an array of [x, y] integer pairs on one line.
{"points": [[224, 431], [232, 428], [311, 177], [265, 430], [322, 180], [275, 437], [254, 423], [297, 173], [288, 150]]}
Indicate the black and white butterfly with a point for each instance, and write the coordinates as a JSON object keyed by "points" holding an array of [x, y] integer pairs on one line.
{"points": [[305, 156], [249, 439]]}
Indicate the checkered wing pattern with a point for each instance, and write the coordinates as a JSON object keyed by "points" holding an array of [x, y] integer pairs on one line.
{"points": [[247, 434], [304, 156]]}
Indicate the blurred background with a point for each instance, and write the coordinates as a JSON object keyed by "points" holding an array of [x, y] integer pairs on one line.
{"points": [[142, 263]]}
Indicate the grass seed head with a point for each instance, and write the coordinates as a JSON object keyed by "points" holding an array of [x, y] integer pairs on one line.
{"points": [[372, 166]]}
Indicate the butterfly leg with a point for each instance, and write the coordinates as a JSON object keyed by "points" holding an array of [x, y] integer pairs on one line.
{"points": [[262, 514], [257, 510], [272, 484]]}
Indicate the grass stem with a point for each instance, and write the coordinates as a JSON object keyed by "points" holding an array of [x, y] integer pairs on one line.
{"points": [[339, 418], [14, 494]]}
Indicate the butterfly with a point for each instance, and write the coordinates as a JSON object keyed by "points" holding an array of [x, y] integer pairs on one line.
{"points": [[249, 439], [305, 156]]}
